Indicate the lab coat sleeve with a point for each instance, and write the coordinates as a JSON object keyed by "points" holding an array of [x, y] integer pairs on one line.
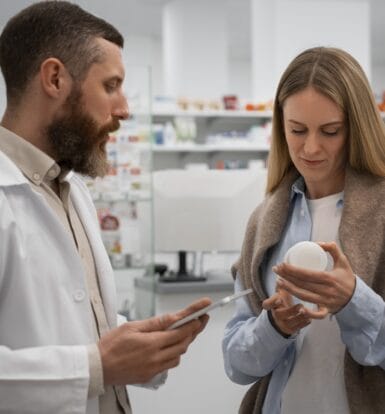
{"points": [[44, 380]]}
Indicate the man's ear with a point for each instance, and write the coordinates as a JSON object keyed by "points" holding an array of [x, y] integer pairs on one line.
{"points": [[55, 78]]}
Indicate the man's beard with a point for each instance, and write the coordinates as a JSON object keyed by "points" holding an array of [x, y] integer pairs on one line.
{"points": [[78, 143]]}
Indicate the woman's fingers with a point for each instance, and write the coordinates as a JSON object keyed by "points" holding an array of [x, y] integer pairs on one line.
{"points": [[321, 313], [272, 302]]}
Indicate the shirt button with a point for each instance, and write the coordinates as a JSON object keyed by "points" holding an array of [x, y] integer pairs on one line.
{"points": [[52, 173], [36, 176], [121, 392], [95, 299], [79, 295]]}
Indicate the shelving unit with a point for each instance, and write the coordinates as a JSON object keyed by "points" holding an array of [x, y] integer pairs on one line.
{"points": [[123, 198], [125, 216], [116, 196], [210, 148], [237, 149], [213, 113]]}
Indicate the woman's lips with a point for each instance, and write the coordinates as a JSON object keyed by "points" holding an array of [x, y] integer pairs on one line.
{"points": [[312, 163]]}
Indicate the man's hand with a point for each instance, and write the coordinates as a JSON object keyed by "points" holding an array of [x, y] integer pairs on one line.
{"points": [[331, 290], [137, 351]]}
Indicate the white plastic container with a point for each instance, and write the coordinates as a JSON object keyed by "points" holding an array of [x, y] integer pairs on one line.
{"points": [[308, 255]]}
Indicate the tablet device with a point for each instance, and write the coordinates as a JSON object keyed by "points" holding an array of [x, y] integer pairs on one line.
{"points": [[209, 308]]}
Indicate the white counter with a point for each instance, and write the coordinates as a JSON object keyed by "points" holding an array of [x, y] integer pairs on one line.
{"points": [[199, 384]]}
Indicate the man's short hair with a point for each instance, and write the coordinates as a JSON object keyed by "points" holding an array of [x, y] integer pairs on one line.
{"points": [[50, 29]]}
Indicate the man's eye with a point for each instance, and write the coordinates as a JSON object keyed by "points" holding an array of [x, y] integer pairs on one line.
{"points": [[110, 86]]}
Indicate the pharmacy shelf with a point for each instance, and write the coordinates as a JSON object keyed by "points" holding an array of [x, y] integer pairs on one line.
{"points": [[213, 114], [209, 123], [116, 196], [180, 148]]}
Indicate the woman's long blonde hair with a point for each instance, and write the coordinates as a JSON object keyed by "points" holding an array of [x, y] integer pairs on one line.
{"points": [[337, 75]]}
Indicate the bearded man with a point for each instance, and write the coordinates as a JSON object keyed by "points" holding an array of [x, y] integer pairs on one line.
{"points": [[61, 350]]}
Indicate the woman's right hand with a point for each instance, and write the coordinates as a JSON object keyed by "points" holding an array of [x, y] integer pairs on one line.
{"points": [[288, 317]]}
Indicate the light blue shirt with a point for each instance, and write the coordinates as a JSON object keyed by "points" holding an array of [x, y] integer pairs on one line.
{"points": [[252, 348]]}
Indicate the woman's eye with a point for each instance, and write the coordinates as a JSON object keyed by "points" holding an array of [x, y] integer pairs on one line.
{"points": [[330, 133], [298, 131]]}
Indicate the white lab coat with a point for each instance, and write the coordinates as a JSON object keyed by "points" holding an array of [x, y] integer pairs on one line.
{"points": [[45, 315]]}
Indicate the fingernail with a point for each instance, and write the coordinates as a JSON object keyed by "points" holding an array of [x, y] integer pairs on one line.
{"points": [[278, 302], [275, 268]]}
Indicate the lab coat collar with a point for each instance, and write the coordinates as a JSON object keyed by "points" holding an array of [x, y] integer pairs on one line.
{"points": [[9, 173]]}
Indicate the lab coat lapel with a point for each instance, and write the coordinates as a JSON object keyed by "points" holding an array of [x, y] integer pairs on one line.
{"points": [[84, 208]]}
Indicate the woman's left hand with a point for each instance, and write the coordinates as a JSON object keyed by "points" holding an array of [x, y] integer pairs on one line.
{"points": [[330, 289]]}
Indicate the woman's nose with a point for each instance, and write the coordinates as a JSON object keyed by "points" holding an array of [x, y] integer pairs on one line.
{"points": [[311, 145]]}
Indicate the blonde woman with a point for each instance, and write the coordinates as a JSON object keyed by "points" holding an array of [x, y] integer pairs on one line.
{"points": [[325, 184]]}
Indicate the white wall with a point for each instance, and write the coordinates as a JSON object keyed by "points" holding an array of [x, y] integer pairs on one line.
{"points": [[146, 52], [263, 71], [378, 78], [195, 50], [299, 24], [240, 78]]}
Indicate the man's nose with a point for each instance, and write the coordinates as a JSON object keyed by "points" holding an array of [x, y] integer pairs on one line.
{"points": [[121, 110]]}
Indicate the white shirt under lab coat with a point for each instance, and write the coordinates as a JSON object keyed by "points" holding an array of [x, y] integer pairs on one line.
{"points": [[45, 316]]}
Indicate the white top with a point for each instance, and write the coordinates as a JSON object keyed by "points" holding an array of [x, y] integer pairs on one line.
{"points": [[320, 360], [325, 217]]}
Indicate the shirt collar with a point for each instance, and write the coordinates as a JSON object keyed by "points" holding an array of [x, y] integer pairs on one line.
{"points": [[298, 189], [36, 165]]}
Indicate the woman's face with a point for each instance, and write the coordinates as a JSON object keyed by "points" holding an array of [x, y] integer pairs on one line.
{"points": [[315, 133]]}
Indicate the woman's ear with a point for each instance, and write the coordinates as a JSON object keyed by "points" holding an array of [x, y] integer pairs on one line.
{"points": [[55, 78]]}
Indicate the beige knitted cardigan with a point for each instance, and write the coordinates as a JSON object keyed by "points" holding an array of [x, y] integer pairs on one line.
{"points": [[362, 236]]}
